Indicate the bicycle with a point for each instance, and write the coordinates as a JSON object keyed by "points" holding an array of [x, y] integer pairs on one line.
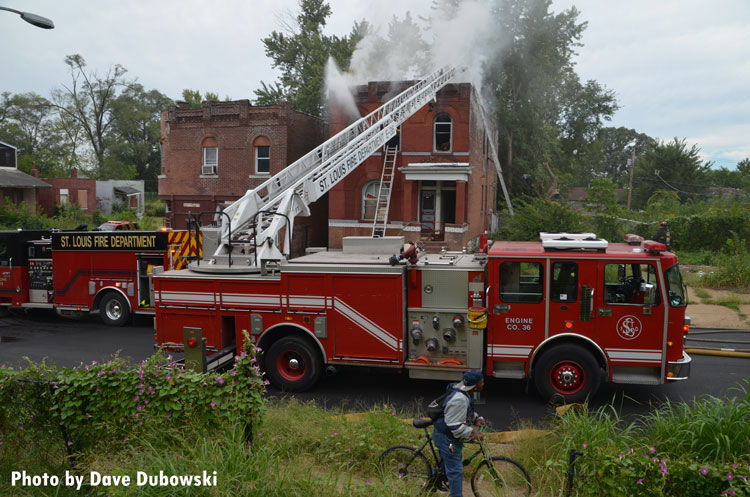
{"points": [[410, 472]]}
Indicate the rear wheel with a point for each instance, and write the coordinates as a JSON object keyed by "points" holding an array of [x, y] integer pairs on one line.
{"points": [[568, 371], [504, 477], [292, 364], [404, 470], [114, 310]]}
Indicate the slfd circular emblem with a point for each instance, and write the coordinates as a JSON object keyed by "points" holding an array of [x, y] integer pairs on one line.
{"points": [[629, 327]]}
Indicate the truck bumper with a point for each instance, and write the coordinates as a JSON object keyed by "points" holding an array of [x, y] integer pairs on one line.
{"points": [[679, 370]]}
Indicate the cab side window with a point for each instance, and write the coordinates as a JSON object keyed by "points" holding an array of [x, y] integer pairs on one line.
{"points": [[521, 282], [4, 256], [634, 284], [564, 285]]}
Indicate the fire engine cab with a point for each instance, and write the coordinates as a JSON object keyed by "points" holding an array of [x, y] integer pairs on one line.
{"points": [[75, 272], [568, 311]]}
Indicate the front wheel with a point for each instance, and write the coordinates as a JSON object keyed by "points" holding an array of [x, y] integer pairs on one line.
{"points": [[504, 477], [404, 470], [114, 309], [292, 364], [568, 371]]}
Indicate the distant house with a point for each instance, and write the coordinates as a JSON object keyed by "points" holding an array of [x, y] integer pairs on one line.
{"points": [[17, 186], [72, 190], [127, 193]]}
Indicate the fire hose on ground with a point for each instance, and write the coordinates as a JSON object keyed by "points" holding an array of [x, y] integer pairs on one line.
{"points": [[717, 351]]}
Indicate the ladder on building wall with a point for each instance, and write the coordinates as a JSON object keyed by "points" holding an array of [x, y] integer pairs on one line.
{"points": [[384, 192]]}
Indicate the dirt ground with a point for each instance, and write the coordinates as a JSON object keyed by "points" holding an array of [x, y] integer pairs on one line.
{"points": [[705, 312]]}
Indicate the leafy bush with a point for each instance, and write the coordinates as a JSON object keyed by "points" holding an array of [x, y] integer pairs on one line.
{"points": [[110, 402], [533, 215], [157, 208]]}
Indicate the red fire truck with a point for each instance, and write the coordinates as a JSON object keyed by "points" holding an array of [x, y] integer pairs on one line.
{"points": [[76, 272], [567, 313]]}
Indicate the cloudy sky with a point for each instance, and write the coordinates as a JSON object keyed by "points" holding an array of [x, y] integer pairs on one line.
{"points": [[680, 68]]}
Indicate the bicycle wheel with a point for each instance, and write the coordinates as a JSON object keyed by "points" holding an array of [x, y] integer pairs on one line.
{"points": [[503, 478], [405, 470]]}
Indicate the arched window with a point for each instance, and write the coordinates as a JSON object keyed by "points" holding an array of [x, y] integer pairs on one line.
{"points": [[443, 132], [210, 156], [262, 155], [370, 199]]}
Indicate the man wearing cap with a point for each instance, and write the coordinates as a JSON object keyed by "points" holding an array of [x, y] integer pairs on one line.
{"points": [[455, 426]]}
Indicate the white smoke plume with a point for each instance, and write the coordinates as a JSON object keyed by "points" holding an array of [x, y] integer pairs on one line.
{"points": [[464, 36]]}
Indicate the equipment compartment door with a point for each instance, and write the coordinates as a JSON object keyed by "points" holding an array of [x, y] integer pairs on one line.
{"points": [[368, 316]]}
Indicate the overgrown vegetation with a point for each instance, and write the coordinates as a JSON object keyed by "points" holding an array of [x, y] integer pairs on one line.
{"points": [[71, 216]]}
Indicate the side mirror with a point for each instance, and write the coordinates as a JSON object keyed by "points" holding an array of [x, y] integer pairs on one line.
{"points": [[649, 293]]}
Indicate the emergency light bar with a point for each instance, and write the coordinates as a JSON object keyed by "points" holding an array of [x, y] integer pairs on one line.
{"points": [[552, 235], [573, 241], [653, 247]]}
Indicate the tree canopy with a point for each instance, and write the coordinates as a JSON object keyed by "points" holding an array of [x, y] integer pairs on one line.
{"points": [[300, 51]]}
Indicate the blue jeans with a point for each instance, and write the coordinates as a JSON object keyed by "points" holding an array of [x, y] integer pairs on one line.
{"points": [[451, 462]]}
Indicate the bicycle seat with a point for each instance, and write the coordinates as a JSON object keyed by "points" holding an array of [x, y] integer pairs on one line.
{"points": [[422, 423]]}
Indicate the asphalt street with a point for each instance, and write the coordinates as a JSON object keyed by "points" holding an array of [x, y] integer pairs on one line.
{"points": [[505, 403]]}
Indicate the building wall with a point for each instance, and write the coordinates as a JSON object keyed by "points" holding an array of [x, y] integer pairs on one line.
{"points": [[233, 127], [474, 199]]}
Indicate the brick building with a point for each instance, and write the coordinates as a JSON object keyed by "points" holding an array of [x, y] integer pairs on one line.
{"points": [[443, 190], [73, 190], [211, 156]]}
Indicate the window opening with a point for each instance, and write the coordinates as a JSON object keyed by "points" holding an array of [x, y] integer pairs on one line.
{"points": [[630, 284], [564, 285], [443, 132], [263, 159], [521, 282]]}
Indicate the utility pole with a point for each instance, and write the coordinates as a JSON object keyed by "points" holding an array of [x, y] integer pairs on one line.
{"points": [[632, 167]]}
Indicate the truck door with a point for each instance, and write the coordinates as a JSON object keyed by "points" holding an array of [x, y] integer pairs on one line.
{"points": [[630, 316], [517, 308], [572, 295], [146, 264]]}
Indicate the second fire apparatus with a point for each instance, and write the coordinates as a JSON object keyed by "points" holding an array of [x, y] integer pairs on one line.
{"points": [[77, 271], [568, 313]]}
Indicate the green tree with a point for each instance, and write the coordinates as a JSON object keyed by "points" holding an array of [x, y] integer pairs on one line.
{"points": [[544, 113], [617, 146], [601, 197], [672, 167], [300, 51], [87, 101], [136, 131]]}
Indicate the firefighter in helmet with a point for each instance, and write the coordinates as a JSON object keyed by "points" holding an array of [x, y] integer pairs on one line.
{"points": [[664, 235]]}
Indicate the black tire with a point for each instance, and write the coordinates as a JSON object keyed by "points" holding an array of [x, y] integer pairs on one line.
{"points": [[505, 477], [404, 470], [567, 371], [114, 309], [292, 364]]}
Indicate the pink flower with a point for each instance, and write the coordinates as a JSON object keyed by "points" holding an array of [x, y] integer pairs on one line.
{"points": [[704, 471], [639, 482], [213, 404], [219, 380], [730, 476], [652, 449], [584, 445]]}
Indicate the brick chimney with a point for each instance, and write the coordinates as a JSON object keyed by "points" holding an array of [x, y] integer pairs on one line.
{"points": [[73, 172], [34, 170]]}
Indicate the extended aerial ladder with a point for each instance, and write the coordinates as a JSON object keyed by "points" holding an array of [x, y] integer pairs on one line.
{"points": [[259, 216]]}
